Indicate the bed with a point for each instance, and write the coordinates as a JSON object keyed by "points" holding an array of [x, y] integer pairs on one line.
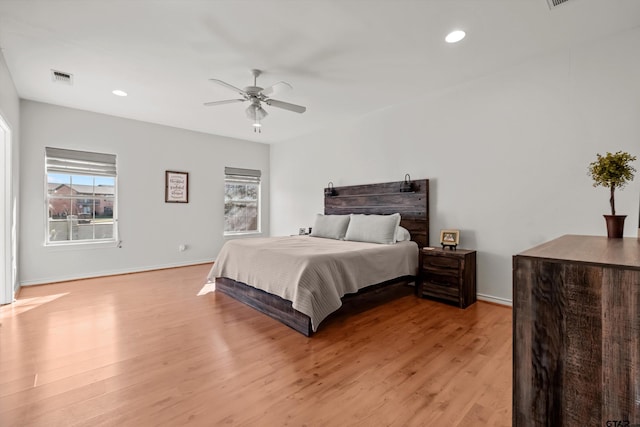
{"points": [[300, 280]]}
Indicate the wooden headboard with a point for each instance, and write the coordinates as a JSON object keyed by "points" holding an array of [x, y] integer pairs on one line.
{"points": [[386, 198]]}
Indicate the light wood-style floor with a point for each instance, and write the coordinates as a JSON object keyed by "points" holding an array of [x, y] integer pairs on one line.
{"points": [[145, 350]]}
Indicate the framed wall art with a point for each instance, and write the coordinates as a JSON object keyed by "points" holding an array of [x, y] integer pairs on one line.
{"points": [[176, 187]]}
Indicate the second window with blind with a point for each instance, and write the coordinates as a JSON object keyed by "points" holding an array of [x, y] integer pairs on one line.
{"points": [[81, 197], [241, 201]]}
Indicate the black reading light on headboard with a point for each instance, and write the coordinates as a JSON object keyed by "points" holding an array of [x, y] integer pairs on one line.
{"points": [[330, 191], [407, 185]]}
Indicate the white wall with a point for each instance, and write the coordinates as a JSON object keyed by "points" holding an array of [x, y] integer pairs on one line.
{"points": [[506, 155], [10, 111], [150, 229]]}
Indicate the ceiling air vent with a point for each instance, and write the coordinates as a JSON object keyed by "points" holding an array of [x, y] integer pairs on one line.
{"points": [[555, 3], [61, 77]]}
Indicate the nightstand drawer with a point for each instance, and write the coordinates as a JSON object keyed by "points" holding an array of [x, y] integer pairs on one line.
{"points": [[443, 280], [438, 291], [442, 265]]}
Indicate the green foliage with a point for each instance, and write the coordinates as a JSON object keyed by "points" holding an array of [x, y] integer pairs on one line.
{"points": [[612, 171]]}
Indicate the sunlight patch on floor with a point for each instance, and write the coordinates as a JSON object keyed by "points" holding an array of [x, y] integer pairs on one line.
{"points": [[23, 305], [208, 287]]}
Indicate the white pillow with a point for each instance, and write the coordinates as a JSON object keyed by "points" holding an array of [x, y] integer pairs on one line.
{"points": [[402, 234], [330, 226], [373, 228]]}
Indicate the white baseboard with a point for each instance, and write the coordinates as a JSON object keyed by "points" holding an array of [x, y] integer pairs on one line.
{"points": [[43, 281], [47, 280], [496, 300]]}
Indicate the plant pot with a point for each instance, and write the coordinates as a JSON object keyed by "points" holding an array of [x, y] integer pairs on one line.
{"points": [[615, 225]]}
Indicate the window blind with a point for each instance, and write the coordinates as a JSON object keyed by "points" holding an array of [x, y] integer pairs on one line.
{"points": [[244, 175], [79, 162]]}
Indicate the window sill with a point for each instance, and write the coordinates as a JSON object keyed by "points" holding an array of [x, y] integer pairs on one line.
{"points": [[241, 235], [82, 246]]}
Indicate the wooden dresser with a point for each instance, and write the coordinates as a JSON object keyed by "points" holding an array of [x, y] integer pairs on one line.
{"points": [[448, 275], [576, 333]]}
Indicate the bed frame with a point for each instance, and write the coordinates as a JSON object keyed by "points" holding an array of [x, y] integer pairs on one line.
{"points": [[386, 198]]}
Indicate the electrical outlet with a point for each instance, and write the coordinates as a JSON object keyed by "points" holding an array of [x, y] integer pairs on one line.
{"points": [[182, 247]]}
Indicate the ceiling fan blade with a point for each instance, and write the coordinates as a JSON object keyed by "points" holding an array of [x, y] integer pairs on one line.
{"points": [[226, 101], [276, 88], [228, 86], [286, 106]]}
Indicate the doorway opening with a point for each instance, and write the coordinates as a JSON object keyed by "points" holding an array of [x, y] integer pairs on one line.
{"points": [[7, 213]]}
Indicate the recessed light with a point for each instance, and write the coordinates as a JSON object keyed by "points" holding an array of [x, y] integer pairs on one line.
{"points": [[119, 92], [455, 36]]}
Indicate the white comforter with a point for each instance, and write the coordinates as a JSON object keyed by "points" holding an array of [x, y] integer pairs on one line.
{"points": [[312, 272]]}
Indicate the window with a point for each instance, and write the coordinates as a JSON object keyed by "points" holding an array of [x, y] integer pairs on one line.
{"points": [[81, 197], [241, 201]]}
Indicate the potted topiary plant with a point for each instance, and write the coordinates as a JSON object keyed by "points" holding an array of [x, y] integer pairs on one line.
{"points": [[613, 171]]}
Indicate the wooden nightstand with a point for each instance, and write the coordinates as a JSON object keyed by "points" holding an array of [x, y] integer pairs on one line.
{"points": [[448, 275]]}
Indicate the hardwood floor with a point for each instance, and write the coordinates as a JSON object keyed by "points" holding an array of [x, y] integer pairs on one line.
{"points": [[145, 350]]}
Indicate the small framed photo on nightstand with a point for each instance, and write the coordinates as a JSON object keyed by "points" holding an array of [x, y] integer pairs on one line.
{"points": [[449, 238]]}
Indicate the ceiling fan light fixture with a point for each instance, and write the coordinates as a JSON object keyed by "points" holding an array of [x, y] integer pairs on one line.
{"points": [[255, 112], [251, 112]]}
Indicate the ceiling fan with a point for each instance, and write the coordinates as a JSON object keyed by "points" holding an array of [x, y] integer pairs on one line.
{"points": [[256, 96]]}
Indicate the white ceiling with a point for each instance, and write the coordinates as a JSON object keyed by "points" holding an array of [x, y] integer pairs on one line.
{"points": [[344, 58]]}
